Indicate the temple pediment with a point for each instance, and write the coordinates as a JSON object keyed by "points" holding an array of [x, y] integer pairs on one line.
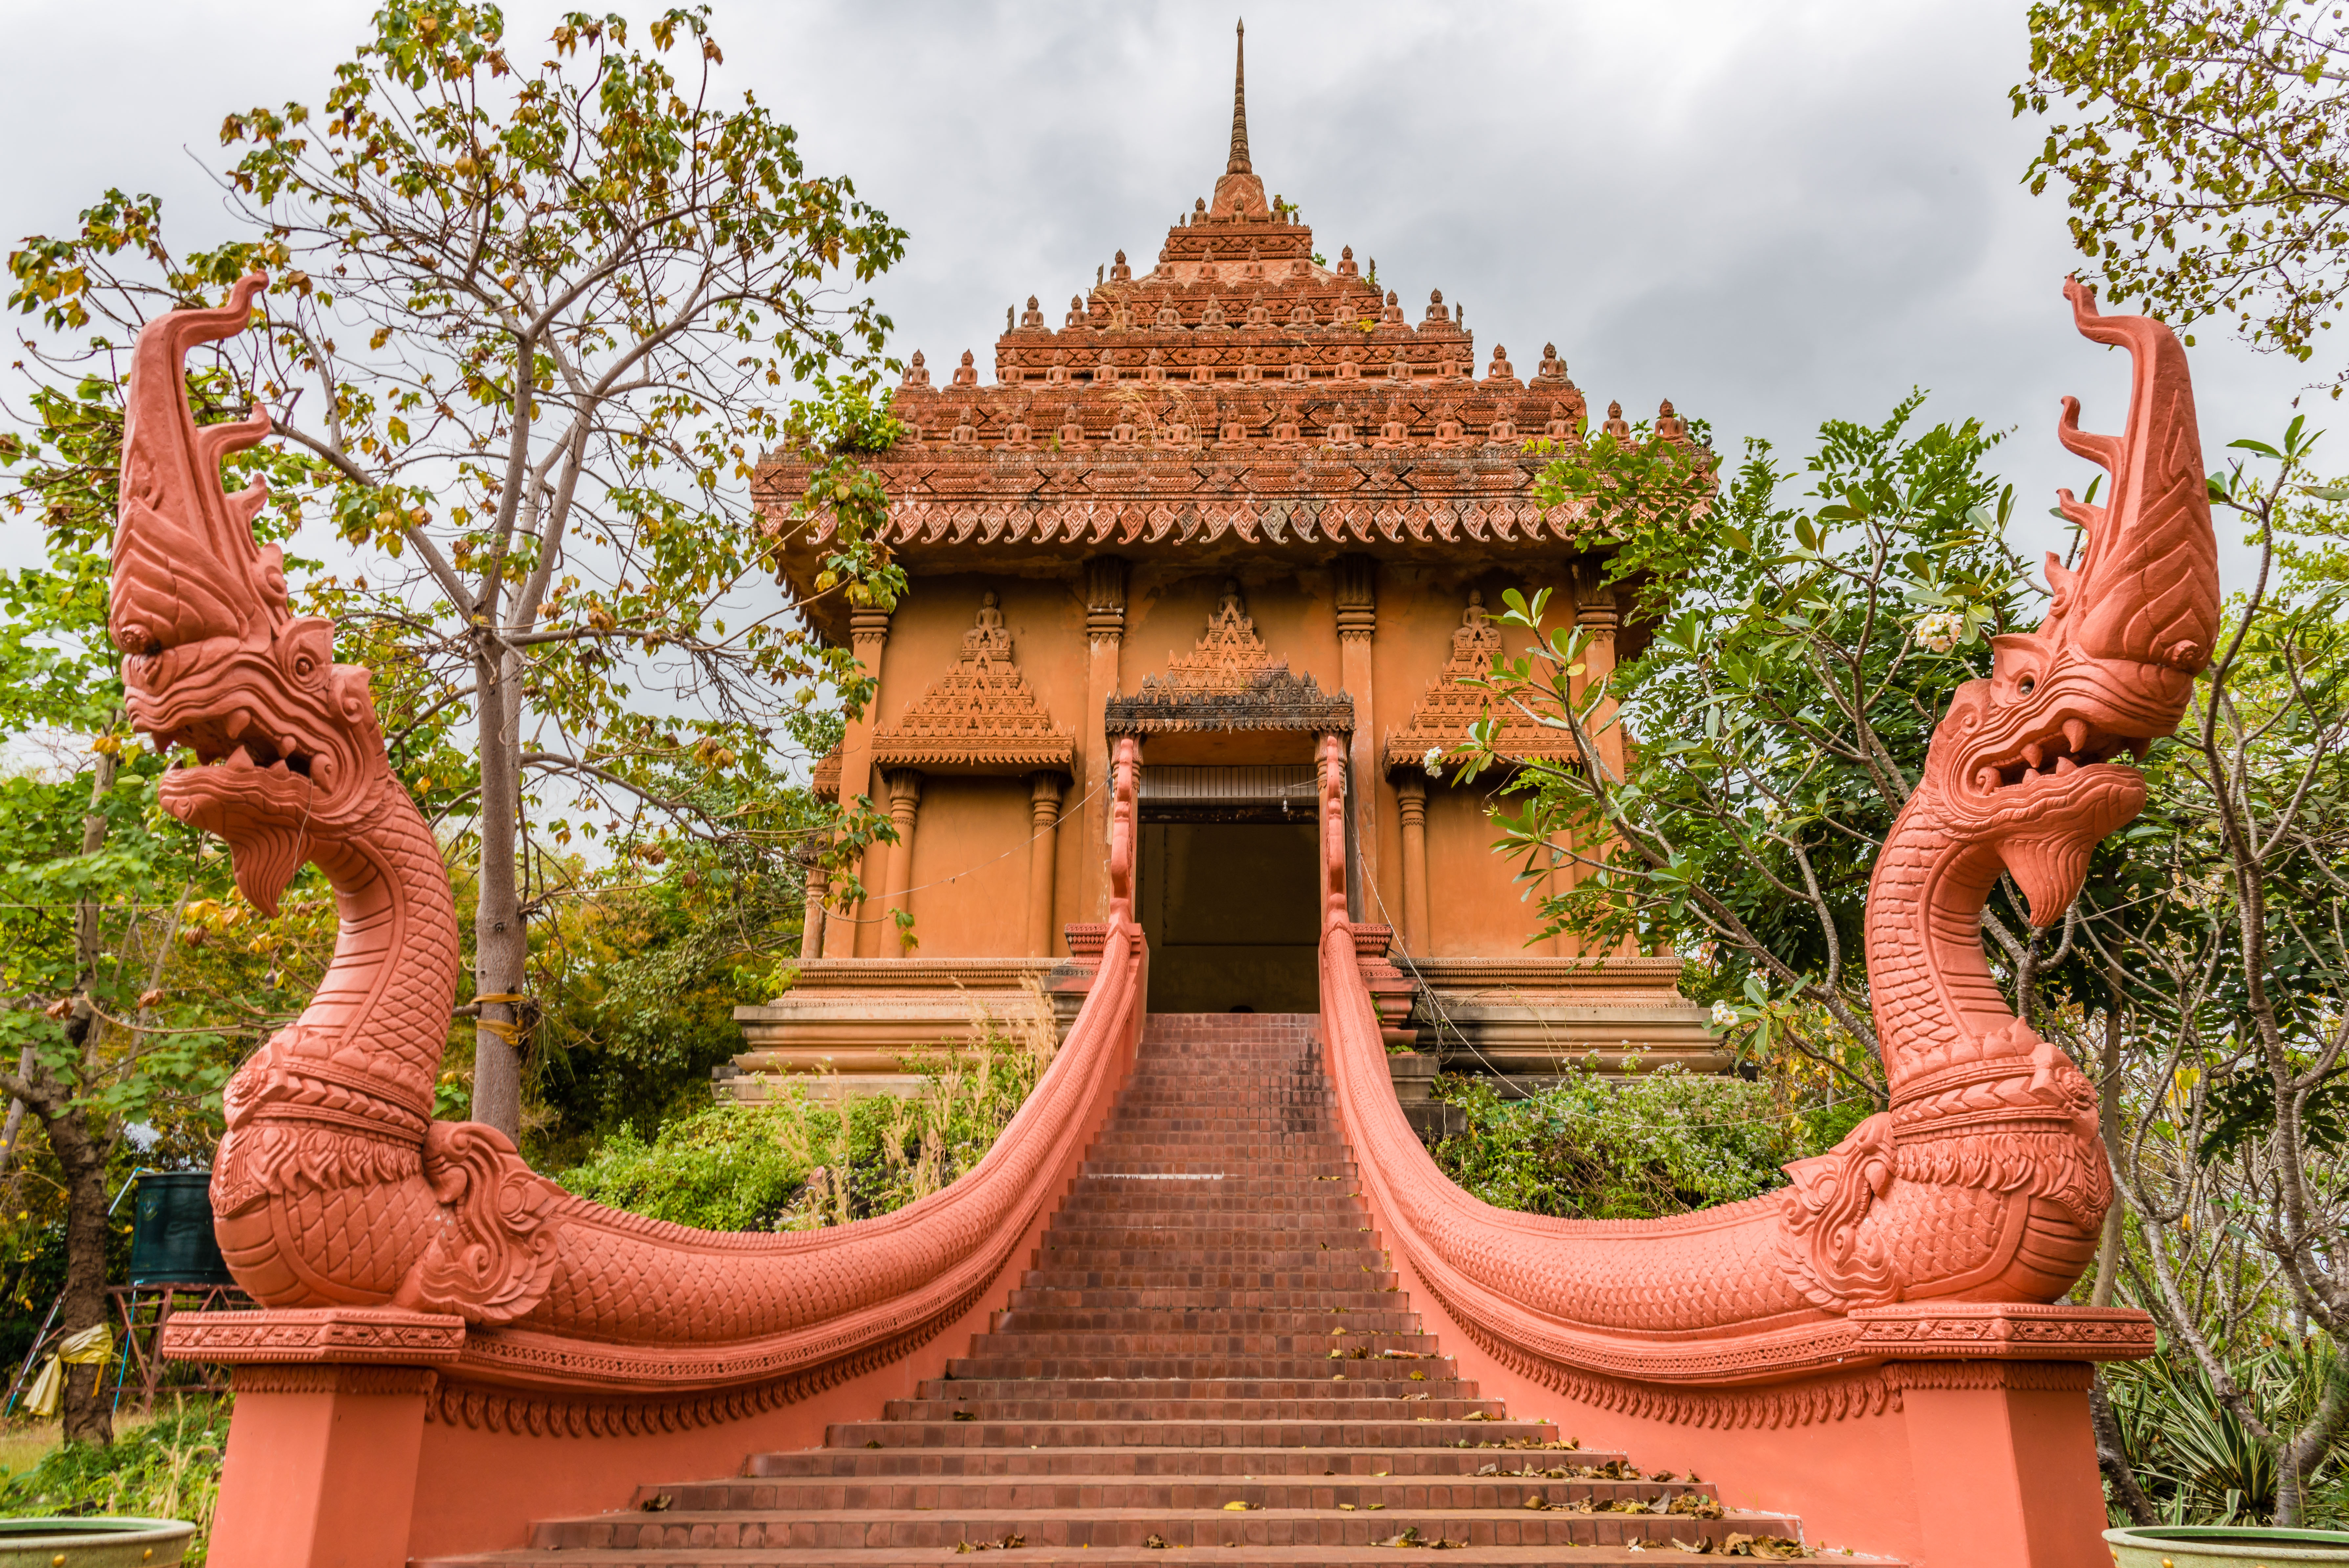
{"points": [[1230, 680], [981, 716], [1452, 703]]}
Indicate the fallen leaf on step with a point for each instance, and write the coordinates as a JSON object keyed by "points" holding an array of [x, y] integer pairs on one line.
{"points": [[1475, 1416], [1241, 1507], [1537, 1502], [1154, 1542], [1701, 1546], [1409, 1537], [1345, 1507], [660, 1504], [963, 1415], [1490, 1471]]}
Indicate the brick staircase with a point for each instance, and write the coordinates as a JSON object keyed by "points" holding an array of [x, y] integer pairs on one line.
{"points": [[1209, 1324]]}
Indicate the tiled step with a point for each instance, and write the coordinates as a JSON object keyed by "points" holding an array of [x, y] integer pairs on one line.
{"points": [[1131, 1527], [1140, 1459], [1389, 1378], [1254, 1556], [1072, 1493], [1325, 1432]]}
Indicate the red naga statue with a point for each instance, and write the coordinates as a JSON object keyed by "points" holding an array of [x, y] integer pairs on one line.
{"points": [[1918, 1260]]}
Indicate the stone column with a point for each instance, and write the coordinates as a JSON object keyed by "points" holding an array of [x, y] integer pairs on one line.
{"points": [[1595, 615], [1105, 580], [904, 787], [868, 632], [811, 915], [1044, 793], [1358, 622], [1411, 813]]}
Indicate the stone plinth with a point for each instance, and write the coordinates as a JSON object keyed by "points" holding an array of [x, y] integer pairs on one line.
{"points": [[1536, 1019], [854, 1026]]}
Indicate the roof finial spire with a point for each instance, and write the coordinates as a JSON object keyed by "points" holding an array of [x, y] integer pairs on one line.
{"points": [[1239, 163]]}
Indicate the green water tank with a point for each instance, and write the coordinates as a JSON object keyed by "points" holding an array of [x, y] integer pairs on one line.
{"points": [[171, 1240]]}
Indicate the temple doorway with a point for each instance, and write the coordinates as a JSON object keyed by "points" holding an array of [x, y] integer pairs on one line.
{"points": [[1229, 889]]}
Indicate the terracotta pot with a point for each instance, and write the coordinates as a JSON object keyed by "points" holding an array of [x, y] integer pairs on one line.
{"points": [[2222, 1546], [93, 1543]]}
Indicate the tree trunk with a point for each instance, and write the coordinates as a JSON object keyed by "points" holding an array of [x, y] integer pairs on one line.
{"points": [[2300, 1455], [2112, 1458], [89, 1415], [501, 945], [2109, 1116]]}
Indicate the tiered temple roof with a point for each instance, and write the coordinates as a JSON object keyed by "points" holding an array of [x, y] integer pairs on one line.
{"points": [[1240, 398]]}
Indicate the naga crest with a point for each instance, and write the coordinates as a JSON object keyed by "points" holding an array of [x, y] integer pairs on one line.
{"points": [[2025, 760], [287, 752]]}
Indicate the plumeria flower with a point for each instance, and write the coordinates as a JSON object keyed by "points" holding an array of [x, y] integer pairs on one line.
{"points": [[1433, 762], [1724, 1015], [1943, 630]]}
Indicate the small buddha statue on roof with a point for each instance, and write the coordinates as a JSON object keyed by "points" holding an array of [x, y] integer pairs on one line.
{"points": [[1032, 316], [1394, 311], [1553, 369], [1119, 271], [1168, 315], [1346, 265], [1213, 316], [1076, 311], [1616, 425], [1435, 311], [967, 373], [1500, 368], [1670, 426], [917, 373]]}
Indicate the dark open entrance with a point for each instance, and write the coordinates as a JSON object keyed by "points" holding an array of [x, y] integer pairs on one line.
{"points": [[1229, 890]]}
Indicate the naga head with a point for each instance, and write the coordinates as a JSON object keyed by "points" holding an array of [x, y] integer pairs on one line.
{"points": [[287, 753], [2027, 761]]}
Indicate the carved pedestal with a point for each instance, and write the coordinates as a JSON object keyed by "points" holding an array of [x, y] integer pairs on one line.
{"points": [[323, 1454]]}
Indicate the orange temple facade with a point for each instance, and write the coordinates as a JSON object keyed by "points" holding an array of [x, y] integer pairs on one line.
{"points": [[1233, 501]]}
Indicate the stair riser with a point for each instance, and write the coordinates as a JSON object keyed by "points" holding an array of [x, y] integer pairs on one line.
{"points": [[822, 1532], [1099, 1464], [1320, 1434], [1076, 1495]]}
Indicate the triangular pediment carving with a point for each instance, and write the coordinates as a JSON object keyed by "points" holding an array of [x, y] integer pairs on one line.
{"points": [[1440, 721], [1230, 680], [982, 717]]}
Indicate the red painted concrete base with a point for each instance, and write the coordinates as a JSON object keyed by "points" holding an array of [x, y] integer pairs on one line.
{"points": [[321, 1467], [1940, 1464]]}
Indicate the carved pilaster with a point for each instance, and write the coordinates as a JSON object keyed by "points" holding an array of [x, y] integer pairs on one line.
{"points": [[868, 635], [1105, 586], [1358, 625], [905, 790], [1044, 795], [1410, 814]]}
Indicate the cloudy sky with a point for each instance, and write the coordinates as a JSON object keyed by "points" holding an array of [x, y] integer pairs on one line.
{"points": [[1771, 213]]}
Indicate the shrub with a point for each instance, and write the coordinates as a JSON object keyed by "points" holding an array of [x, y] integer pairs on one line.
{"points": [[1663, 1143], [796, 1163], [168, 1469]]}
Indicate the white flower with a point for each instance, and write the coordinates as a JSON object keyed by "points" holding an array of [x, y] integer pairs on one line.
{"points": [[1433, 762], [1724, 1015], [1942, 632]]}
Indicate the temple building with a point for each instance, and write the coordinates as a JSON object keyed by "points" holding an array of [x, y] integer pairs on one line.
{"points": [[1231, 502]]}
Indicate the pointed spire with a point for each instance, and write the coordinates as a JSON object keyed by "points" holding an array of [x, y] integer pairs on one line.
{"points": [[1239, 163]]}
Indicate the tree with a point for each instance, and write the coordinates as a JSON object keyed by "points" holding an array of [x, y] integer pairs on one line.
{"points": [[2224, 945], [1796, 658], [528, 331], [2208, 170]]}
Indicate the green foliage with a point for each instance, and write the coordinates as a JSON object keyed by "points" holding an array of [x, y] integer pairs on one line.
{"points": [[1799, 645], [1662, 1143], [167, 1469], [2196, 1459], [2205, 156], [795, 1163]]}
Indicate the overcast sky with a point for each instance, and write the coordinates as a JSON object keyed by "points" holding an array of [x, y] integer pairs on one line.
{"points": [[1772, 213]]}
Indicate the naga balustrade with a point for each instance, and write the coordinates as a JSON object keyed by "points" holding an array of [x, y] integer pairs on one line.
{"points": [[450, 1344], [1876, 1347]]}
